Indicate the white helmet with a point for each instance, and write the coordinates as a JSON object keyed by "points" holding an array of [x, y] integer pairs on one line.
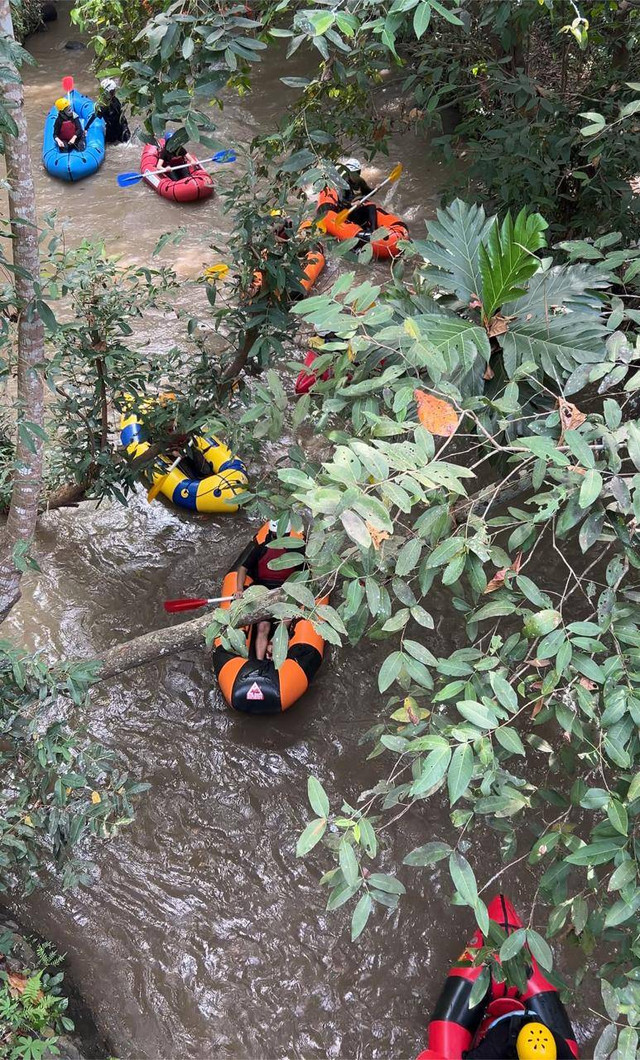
{"points": [[108, 84], [273, 526], [352, 164]]}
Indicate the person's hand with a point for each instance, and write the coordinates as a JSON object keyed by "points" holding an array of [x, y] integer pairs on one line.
{"points": [[73, 139], [59, 142], [238, 594]]}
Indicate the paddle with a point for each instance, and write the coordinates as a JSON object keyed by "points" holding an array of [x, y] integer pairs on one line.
{"points": [[391, 179], [127, 180], [190, 603], [67, 88], [157, 486]]}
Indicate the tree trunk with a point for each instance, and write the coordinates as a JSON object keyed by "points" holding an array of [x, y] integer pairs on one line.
{"points": [[162, 642], [23, 511]]}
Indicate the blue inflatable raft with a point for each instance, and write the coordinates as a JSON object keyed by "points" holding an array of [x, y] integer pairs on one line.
{"points": [[74, 165]]}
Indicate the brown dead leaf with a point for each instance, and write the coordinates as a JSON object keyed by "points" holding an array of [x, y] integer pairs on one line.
{"points": [[540, 663], [498, 325], [498, 579], [17, 983], [475, 302], [586, 683], [377, 536], [537, 706], [436, 416], [578, 470], [488, 373], [570, 415], [634, 184]]}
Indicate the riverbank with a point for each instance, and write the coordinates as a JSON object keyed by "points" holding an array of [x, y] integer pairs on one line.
{"points": [[40, 1001]]}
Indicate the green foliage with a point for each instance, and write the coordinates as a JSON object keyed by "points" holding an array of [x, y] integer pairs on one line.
{"points": [[60, 788], [32, 1005]]}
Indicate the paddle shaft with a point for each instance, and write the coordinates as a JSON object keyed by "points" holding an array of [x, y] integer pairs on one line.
{"points": [[192, 603], [393, 176]]}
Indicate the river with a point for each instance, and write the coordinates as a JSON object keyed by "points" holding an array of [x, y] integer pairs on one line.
{"points": [[203, 936]]}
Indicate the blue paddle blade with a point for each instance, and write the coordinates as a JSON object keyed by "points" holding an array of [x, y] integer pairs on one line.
{"points": [[125, 180], [224, 156]]}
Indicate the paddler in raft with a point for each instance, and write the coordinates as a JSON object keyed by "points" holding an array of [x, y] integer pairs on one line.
{"points": [[256, 565], [357, 187], [174, 154], [109, 108], [67, 128]]}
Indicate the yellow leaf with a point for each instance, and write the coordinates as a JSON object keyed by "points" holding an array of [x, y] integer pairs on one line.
{"points": [[95, 798], [351, 353], [411, 329], [28, 821], [215, 272]]}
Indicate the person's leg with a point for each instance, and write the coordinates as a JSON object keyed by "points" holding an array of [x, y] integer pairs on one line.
{"points": [[262, 638]]}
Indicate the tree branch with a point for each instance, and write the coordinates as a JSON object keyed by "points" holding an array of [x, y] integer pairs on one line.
{"points": [[162, 642]]}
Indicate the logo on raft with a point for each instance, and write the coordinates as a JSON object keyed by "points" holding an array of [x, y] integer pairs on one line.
{"points": [[255, 692]]}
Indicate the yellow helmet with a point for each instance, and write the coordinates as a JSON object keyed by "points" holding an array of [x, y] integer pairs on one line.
{"points": [[62, 103], [536, 1042]]}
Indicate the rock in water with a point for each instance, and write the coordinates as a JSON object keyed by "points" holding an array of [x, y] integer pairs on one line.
{"points": [[74, 46], [49, 12]]}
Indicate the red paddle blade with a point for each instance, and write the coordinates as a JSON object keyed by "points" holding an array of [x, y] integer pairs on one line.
{"points": [[189, 603], [67, 84]]}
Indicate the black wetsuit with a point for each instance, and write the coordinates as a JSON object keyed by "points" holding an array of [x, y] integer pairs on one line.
{"points": [[364, 215], [117, 127]]}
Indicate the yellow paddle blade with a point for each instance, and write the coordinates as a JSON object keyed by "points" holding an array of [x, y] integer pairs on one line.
{"points": [[155, 489], [342, 216], [396, 172], [157, 486]]}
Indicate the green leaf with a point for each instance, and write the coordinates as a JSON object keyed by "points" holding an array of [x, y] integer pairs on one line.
{"points": [[360, 916], [624, 874], [460, 772], [513, 944], [408, 557], [428, 854], [477, 713], [312, 834], [389, 670], [597, 853], [479, 988], [446, 14], [434, 768], [317, 797], [540, 949], [618, 816], [453, 245], [383, 882], [510, 740], [421, 17], [505, 693], [507, 258], [541, 623], [463, 878], [419, 652], [280, 644], [591, 488], [348, 863]]}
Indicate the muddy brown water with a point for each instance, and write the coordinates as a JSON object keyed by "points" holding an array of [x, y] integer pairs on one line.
{"points": [[203, 936]]}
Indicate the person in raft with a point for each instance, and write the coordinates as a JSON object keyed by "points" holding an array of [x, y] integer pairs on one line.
{"points": [[257, 567], [174, 154], [357, 187], [110, 109], [67, 128]]}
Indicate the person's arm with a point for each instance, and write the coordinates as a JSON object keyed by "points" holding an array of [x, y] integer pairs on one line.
{"points": [[248, 567], [242, 573]]}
